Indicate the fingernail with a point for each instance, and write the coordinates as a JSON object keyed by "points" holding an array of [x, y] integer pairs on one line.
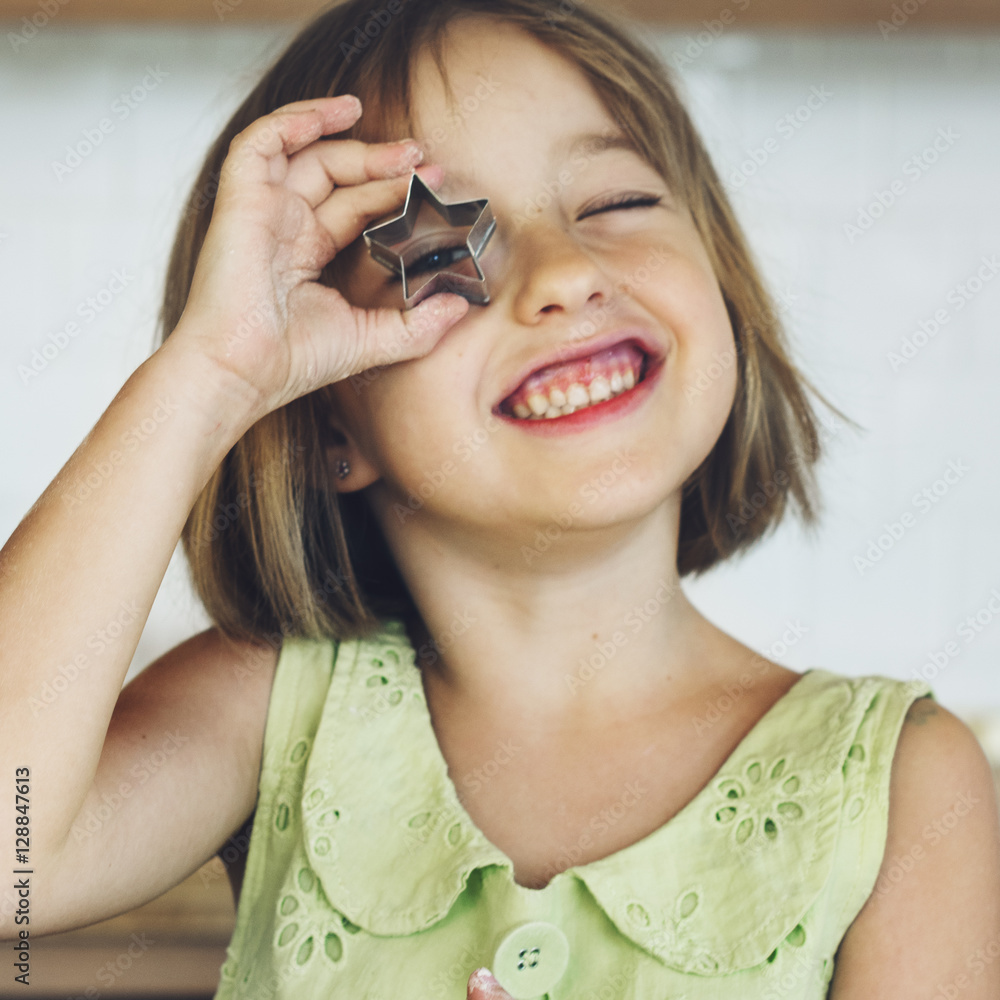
{"points": [[449, 305], [483, 978], [431, 173], [412, 147]]}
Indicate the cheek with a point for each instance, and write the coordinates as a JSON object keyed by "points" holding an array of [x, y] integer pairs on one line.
{"points": [[687, 300], [703, 373], [416, 415]]}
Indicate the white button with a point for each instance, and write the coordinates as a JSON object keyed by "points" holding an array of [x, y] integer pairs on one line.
{"points": [[531, 959]]}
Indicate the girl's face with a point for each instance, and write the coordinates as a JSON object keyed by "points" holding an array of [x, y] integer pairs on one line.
{"points": [[564, 273]]}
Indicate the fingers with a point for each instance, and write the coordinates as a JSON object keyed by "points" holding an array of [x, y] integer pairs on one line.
{"points": [[285, 131], [482, 986], [434, 315], [315, 172], [348, 212], [383, 337]]}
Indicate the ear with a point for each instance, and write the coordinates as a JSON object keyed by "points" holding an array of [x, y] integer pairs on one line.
{"points": [[339, 446]]}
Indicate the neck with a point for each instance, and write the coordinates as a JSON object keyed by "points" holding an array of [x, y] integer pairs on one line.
{"points": [[590, 631]]}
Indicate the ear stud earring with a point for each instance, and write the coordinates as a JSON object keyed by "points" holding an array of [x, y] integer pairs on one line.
{"points": [[343, 468], [384, 239]]}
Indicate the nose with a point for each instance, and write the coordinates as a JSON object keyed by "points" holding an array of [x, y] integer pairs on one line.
{"points": [[551, 273]]}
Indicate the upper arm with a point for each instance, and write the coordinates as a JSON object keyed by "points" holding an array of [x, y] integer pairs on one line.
{"points": [[933, 919], [178, 773]]}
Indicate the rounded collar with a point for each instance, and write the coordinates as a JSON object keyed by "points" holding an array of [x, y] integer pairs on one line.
{"points": [[393, 846]]}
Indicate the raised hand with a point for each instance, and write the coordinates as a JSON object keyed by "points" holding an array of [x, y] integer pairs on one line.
{"points": [[287, 203]]}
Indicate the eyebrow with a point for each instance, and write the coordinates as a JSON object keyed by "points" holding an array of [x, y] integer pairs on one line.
{"points": [[592, 142]]}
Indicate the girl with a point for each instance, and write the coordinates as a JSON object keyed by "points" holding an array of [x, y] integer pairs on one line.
{"points": [[454, 696]]}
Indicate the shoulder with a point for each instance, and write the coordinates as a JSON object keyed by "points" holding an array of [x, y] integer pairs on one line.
{"points": [[213, 685], [212, 666], [938, 769], [934, 911], [236, 671]]}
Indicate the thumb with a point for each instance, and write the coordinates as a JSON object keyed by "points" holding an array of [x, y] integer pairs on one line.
{"points": [[427, 321], [482, 986], [386, 336]]}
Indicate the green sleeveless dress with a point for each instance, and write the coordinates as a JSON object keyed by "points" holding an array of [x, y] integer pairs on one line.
{"points": [[366, 879]]}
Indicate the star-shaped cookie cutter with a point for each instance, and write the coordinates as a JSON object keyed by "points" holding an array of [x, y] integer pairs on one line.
{"points": [[383, 236]]}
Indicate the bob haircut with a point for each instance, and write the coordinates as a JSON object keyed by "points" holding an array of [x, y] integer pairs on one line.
{"points": [[272, 551]]}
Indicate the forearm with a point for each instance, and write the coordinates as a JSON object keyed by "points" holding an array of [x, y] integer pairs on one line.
{"points": [[79, 574]]}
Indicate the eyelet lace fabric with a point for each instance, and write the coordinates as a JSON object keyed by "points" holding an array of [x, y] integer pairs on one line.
{"points": [[366, 878]]}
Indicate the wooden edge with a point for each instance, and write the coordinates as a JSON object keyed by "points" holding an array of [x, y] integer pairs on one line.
{"points": [[911, 15]]}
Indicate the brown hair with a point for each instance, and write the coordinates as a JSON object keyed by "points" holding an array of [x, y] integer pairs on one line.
{"points": [[269, 548]]}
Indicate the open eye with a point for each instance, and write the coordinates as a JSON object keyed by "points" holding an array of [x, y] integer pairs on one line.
{"points": [[625, 201], [439, 258], [435, 259]]}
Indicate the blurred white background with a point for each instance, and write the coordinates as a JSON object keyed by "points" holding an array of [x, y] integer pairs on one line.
{"points": [[796, 181]]}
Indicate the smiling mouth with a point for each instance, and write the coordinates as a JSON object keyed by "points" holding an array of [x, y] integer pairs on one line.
{"points": [[565, 387]]}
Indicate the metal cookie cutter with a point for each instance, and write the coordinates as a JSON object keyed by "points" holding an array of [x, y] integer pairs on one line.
{"points": [[383, 236]]}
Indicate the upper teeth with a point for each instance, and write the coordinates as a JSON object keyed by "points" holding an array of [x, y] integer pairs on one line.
{"points": [[557, 403]]}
